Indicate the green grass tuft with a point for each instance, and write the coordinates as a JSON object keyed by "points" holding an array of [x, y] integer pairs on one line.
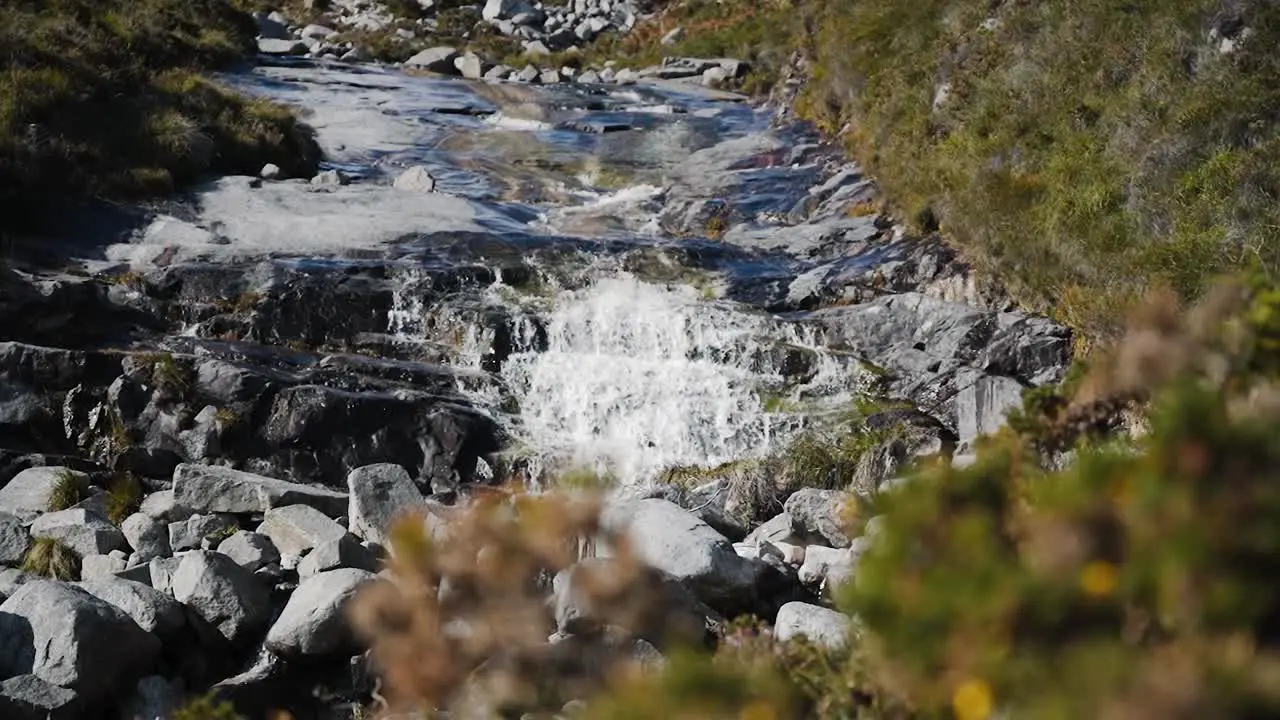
{"points": [[70, 489], [124, 497], [52, 559]]}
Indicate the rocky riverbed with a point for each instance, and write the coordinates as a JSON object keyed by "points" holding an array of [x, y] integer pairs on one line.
{"points": [[488, 282]]}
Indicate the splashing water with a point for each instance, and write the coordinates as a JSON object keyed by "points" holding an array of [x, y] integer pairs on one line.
{"points": [[637, 378], [405, 318]]}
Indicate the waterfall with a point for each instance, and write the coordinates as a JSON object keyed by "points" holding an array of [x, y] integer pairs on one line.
{"points": [[638, 377]]}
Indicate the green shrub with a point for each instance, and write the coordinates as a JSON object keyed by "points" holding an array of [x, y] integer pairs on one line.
{"points": [[52, 559]]}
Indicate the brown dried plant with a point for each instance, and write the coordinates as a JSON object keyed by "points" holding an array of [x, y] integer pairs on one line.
{"points": [[466, 622]]}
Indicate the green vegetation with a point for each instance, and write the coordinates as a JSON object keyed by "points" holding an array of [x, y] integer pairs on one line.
{"points": [[124, 497], [50, 558], [105, 97], [70, 489], [1085, 152], [206, 707]]}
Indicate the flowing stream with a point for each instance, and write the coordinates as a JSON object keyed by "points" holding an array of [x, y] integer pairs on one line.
{"points": [[576, 252]]}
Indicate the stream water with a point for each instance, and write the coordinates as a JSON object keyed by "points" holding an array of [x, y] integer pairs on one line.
{"points": [[614, 260]]}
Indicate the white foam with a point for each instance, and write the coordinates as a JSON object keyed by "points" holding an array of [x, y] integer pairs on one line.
{"points": [[637, 378], [506, 122]]}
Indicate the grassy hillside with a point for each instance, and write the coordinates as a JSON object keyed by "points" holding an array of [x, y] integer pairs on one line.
{"points": [[106, 97], [1083, 149]]}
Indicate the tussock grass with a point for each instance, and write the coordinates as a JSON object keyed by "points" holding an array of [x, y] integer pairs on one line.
{"points": [[69, 489], [52, 559], [107, 98]]}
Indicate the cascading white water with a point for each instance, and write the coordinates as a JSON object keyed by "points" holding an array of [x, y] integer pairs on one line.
{"points": [[637, 378], [405, 318]]}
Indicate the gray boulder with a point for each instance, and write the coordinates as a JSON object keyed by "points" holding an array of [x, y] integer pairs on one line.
{"points": [[190, 534], [317, 32], [14, 540], [436, 59], [415, 179], [222, 593], [296, 529], [670, 539], [822, 626], [819, 515], [270, 46], [93, 567], [148, 536], [153, 611], [85, 532], [161, 571], [208, 489], [163, 505], [70, 638], [345, 552], [27, 495], [314, 620], [469, 66], [379, 493], [824, 569], [28, 697], [11, 580], [774, 530], [251, 551]]}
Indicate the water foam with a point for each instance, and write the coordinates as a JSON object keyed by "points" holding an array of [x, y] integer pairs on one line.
{"points": [[637, 378]]}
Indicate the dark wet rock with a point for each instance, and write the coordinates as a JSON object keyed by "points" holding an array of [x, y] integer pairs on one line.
{"points": [[322, 433], [70, 638], [205, 489], [226, 595], [314, 622]]}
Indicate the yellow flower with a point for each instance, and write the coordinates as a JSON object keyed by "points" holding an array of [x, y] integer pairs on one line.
{"points": [[972, 700], [758, 710], [1098, 579]]}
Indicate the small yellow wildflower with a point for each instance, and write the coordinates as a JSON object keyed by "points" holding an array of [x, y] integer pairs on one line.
{"points": [[1098, 579], [972, 700], [758, 710]]}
